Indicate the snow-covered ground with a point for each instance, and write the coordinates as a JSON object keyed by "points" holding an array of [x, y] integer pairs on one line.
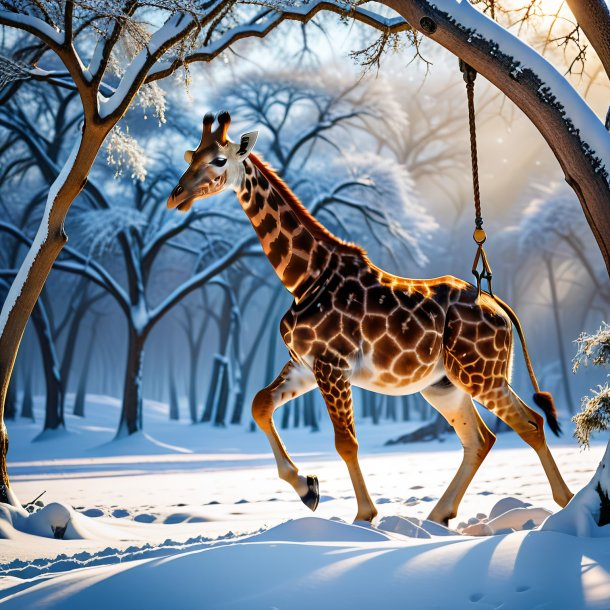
{"points": [[195, 517]]}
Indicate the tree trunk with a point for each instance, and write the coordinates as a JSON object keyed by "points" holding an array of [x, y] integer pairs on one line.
{"points": [[34, 270], [81, 390], [10, 411], [193, 384], [69, 347], [286, 408], [27, 402], [214, 380], [559, 114], [310, 415], [223, 394], [174, 407], [563, 359], [54, 416], [131, 410], [406, 408]]}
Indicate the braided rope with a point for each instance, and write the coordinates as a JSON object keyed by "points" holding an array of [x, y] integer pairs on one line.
{"points": [[479, 235], [469, 76]]}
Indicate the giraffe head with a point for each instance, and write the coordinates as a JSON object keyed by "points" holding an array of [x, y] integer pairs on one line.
{"points": [[215, 165]]}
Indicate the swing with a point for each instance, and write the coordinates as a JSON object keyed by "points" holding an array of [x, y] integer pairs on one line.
{"points": [[542, 399], [479, 235]]}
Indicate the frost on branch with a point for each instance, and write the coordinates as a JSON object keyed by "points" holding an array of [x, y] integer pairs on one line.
{"points": [[595, 413], [11, 71], [98, 229], [124, 152], [594, 349], [152, 96]]}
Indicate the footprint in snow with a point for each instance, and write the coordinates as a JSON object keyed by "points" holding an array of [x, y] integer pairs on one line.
{"points": [[145, 518], [93, 512], [383, 501]]}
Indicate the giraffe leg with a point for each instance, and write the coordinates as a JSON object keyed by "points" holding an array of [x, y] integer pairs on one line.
{"points": [[529, 425], [458, 409], [293, 381], [336, 390]]}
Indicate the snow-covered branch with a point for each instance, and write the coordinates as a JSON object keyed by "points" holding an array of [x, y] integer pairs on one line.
{"points": [[575, 134], [86, 267], [176, 28], [199, 279], [269, 20], [37, 27]]}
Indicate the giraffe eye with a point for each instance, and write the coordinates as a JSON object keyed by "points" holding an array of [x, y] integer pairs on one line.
{"points": [[219, 161]]}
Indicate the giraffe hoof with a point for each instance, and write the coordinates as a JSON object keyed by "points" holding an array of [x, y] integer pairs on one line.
{"points": [[312, 498]]}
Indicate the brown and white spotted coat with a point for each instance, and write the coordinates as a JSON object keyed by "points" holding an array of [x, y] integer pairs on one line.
{"points": [[352, 323]]}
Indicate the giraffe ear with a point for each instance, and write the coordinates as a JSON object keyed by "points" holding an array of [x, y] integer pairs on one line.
{"points": [[246, 145], [188, 156]]}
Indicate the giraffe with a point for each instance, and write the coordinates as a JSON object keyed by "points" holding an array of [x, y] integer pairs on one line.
{"points": [[353, 324]]}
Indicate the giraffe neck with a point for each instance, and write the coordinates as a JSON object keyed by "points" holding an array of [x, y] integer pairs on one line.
{"points": [[298, 247]]}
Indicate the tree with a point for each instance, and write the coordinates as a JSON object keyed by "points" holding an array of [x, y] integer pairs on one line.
{"points": [[578, 139]]}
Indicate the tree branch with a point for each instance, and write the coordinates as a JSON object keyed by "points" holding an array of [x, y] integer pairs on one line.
{"points": [[268, 20]]}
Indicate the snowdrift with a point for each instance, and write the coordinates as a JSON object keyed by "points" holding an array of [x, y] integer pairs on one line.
{"points": [[317, 563]]}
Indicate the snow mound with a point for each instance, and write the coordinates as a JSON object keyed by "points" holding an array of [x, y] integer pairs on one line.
{"points": [[54, 520], [581, 516], [314, 529]]}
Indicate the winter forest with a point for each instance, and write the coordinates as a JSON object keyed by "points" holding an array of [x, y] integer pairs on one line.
{"points": [[132, 351]]}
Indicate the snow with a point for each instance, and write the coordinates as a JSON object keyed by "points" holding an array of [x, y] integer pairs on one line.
{"points": [[580, 517], [41, 236], [33, 25], [172, 28], [195, 516], [591, 129]]}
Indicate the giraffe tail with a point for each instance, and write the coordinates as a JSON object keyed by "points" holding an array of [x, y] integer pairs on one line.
{"points": [[543, 399]]}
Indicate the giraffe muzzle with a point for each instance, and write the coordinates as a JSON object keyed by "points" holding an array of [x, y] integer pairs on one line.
{"points": [[180, 200]]}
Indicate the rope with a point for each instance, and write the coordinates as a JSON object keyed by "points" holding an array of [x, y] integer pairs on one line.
{"points": [[479, 236], [469, 76]]}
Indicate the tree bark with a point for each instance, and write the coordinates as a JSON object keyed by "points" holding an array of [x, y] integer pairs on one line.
{"points": [[527, 90], [131, 410], [35, 269]]}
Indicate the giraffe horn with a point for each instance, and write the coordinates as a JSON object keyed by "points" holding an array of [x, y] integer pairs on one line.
{"points": [[224, 120], [208, 119]]}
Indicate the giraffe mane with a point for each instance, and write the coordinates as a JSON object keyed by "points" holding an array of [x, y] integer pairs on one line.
{"points": [[310, 221]]}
